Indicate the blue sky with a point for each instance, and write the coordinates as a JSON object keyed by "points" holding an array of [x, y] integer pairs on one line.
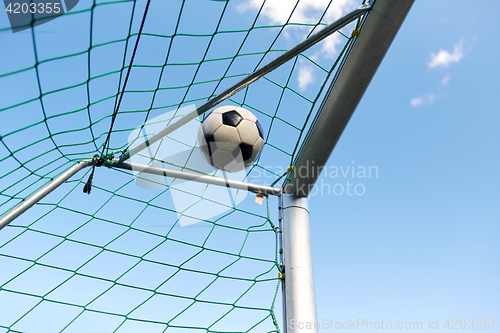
{"points": [[420, 243]]}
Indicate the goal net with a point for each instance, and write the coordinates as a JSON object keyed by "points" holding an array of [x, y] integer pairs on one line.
{"points": [[142, 253]]}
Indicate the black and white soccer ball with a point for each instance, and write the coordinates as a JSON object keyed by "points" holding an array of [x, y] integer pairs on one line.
{"points": [[231, 138]]}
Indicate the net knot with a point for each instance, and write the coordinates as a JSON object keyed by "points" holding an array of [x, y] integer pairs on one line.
{"points": [[96, 161], [106, 158]]}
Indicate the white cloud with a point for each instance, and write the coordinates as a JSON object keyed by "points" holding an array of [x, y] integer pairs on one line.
{"points": [[329, 47], [306, 77], [417, 101], [307, 11], [445, 80], [445, 58]]}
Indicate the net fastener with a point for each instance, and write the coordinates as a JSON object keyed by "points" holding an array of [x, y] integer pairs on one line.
{"points": [[259, 198]]}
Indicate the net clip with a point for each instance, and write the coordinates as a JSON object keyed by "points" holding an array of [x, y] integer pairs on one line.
{"points": [[259, 198]]}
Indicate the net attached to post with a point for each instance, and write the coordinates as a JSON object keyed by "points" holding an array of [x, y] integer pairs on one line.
{"points": [[146, 254]]}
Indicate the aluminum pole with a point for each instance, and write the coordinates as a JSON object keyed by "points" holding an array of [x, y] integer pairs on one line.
{"points": [[300, 301], [196, 177], [261, 72], [377, 33], [41, 193]]}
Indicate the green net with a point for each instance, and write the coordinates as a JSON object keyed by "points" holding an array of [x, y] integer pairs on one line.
{"points": [[118, 260]]}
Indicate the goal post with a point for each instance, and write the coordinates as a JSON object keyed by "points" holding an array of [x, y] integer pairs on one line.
{"points": [[299, 295], [41, 193], [378, 30]]}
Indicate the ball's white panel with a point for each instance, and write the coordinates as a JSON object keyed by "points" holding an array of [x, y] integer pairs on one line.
{"points": [[226, 146], [248, 131], [246, 114], [236, 164], [212, 123], [222, 158], [225, 108], [257, 148], [227, 134]]}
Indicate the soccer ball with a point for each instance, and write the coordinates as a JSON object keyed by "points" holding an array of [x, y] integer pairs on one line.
{"points": [[231, 138]]}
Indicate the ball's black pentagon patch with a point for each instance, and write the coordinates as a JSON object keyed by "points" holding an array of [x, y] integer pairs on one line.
{"points": [[246, 151], [261, 130], [231, 118], [210, 140]]}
